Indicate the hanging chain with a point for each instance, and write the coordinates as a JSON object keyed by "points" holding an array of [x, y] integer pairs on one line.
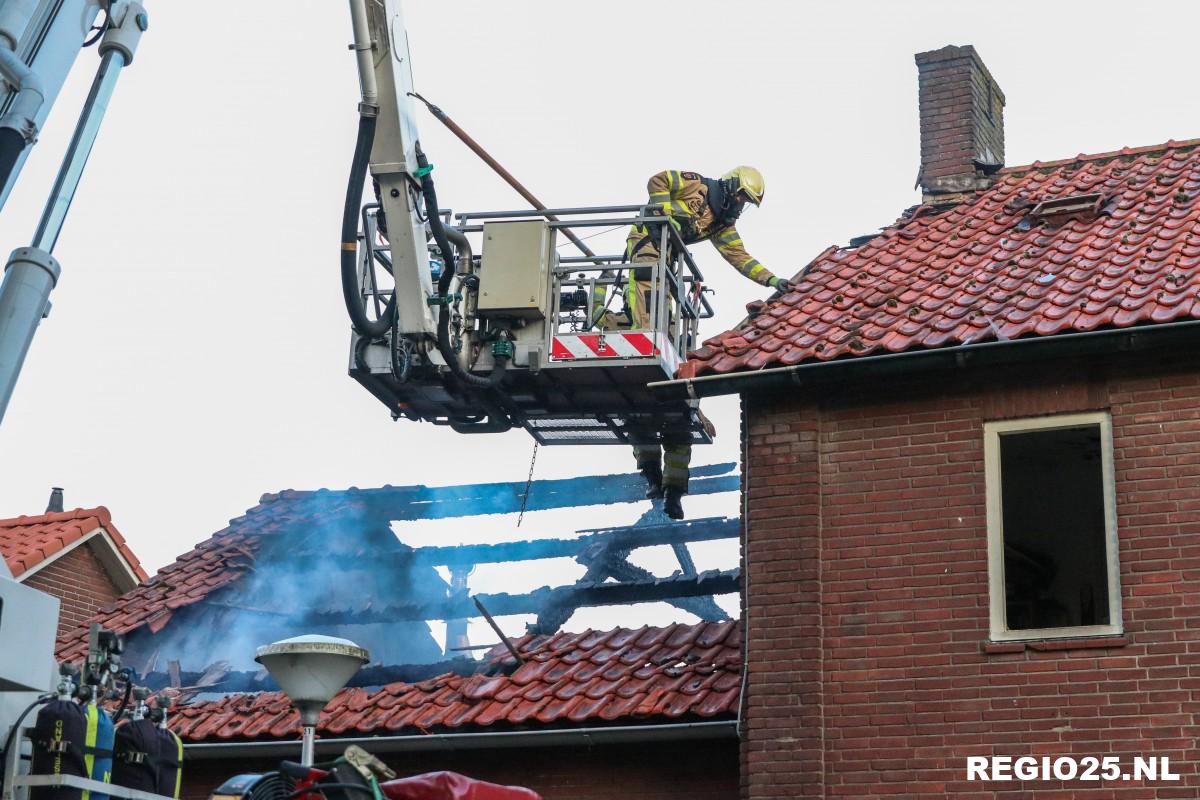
{"points": [[528, 485]]}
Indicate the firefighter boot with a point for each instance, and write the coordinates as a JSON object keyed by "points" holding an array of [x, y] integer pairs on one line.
{"points": [[673, 501], [653, 475]]}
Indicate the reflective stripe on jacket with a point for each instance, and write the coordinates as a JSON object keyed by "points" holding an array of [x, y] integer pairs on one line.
{"points": [[683, 196]]}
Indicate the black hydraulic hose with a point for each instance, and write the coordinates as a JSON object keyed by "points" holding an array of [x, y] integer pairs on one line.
{"points": [[124, 700], [12, 734], [443, 328], [493, 425], [350, 291]]}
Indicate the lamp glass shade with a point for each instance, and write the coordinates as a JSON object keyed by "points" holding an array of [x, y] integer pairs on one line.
{"points": [[311, 669]]}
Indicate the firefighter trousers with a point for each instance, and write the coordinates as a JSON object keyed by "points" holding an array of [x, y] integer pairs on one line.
{"points": [[674, 458]]}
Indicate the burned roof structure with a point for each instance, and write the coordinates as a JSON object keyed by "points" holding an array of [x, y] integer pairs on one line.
{"points": [[330, 562]]}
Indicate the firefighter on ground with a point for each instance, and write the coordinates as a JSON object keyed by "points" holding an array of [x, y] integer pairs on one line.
{"points": [[699, 209]]}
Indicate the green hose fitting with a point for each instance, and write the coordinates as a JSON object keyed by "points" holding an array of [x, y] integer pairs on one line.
{"points": [[503, 348]]}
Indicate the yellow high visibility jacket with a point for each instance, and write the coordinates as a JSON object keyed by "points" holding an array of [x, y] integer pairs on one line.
{"points": [[683, 196]]}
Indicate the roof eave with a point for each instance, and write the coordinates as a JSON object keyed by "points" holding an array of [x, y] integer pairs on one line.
{"points": [[123, 575], [424, 742], [915, 362]]}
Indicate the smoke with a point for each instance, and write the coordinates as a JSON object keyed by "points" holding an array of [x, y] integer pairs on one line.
{"points": [[322, 558], [331, 559]]}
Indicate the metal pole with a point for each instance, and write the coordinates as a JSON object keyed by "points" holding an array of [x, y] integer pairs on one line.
{"points": [[307, 746], [31, 272], [496, 629], [478, 150], [78, 151], [24, 299], [363, 53]]}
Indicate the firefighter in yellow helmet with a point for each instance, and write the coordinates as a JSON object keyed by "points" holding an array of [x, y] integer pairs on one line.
{"points": [[700, 209]]}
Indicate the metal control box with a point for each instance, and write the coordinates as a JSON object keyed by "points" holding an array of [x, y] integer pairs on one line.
{"points": [[28, 624], [514, 272]]}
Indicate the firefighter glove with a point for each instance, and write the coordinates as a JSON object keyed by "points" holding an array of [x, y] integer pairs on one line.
{"points": [[782, 285]]}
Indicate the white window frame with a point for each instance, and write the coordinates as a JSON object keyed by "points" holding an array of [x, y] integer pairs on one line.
{"points": [[992, 431]]}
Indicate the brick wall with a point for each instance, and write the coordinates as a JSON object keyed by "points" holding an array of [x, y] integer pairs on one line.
{"points": [[81, 584], [700, 770], [867, 613]]}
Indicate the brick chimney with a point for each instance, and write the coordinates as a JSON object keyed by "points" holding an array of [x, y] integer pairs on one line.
{"points": [[962, 123]]}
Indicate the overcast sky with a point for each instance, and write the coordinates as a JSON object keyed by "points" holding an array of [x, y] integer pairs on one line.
{"points": [[196, 354]]}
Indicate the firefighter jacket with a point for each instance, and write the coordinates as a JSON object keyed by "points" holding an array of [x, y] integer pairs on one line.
{"points": [[687, 199]]}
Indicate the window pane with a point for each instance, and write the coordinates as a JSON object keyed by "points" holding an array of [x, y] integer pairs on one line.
{"points": [[1055, 553]]}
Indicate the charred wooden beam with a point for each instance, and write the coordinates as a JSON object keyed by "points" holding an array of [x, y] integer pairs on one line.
{"points": [[594, 594], [676, 533], [615, 565], [441, 502]]}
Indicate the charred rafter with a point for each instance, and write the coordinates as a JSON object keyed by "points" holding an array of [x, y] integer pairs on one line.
{"points": [[628, 538], [395, 503], [604, 560], [578, 595]]}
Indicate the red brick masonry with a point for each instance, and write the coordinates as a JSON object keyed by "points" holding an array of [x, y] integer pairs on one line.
{"points": [[81, 584], [870, 671]]}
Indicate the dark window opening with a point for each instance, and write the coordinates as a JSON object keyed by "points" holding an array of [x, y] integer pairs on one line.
{"points": [[1055, 541]]}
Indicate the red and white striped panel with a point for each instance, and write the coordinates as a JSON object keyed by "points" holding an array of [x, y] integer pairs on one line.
{"points": [[577, 346]]}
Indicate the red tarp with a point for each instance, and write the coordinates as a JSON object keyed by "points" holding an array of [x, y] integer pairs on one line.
{"points": [[452, 786]]}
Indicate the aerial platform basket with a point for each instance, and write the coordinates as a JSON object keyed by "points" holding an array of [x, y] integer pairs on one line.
{"points": [[576, 372]]}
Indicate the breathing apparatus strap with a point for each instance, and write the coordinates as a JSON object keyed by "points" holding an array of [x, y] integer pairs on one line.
{"points": [[721, 198]]}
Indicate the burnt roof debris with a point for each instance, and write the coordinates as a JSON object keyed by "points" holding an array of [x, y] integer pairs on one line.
{"points": [[583, 593], [331, 562], [859, 241], [397, 503], [641, 535]]}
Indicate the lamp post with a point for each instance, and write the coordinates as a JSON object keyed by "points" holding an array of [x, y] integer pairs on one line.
{"points": [[310, 670]]}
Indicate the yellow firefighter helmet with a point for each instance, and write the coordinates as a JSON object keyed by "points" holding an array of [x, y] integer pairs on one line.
{"points": [[749, 181]]}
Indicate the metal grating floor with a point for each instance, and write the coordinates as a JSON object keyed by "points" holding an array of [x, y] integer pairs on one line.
{"points": [[605, 430]]}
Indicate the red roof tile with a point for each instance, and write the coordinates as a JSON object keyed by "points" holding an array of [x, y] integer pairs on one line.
{"points": [[644, 675], [984, 270], [27, 541]]}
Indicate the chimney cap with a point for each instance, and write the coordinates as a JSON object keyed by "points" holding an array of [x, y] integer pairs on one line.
{"points": [[56, 500]]}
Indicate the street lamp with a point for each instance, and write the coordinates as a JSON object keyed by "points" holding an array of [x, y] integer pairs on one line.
{"points": [[310, 670]]}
